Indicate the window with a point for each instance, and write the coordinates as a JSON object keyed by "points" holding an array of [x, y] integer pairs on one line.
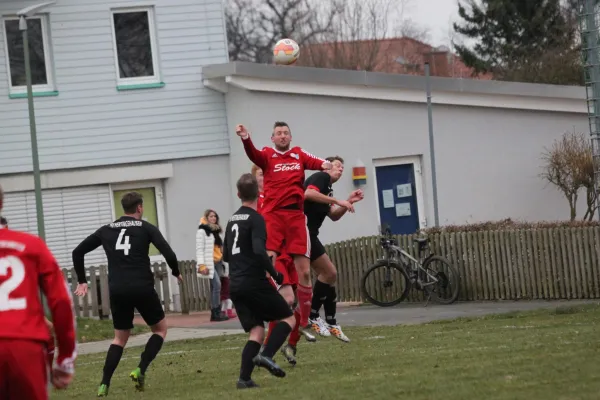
{"points": [[153, 207], [39, 51], [135, 46]]}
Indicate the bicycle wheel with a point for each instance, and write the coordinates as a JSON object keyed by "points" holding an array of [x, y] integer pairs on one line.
{"points": [[447, 287], [385, 279]]}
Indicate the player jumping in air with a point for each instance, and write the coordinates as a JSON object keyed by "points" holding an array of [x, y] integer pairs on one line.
{"points": [[255, 299], [131, 283], [283, 169], [285, 265], [318, 204], [26, 263]]}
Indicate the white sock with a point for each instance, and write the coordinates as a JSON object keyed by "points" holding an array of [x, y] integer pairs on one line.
{"points": [[224, 305], [229, 304]]}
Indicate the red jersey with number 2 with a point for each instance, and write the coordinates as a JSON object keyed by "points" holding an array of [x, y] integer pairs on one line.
{"points": [[26, 263], [283, 174]]}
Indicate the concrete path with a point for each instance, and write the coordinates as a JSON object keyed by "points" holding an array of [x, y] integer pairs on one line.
{"points": [[197, 325]]}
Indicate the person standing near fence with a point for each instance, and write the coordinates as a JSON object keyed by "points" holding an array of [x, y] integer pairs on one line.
{"points": [[209, 259], [130, 282]]}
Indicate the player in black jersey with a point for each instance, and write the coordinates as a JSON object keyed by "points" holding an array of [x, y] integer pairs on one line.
{"points": [[318, 204], [255, 299], [130, 281]]}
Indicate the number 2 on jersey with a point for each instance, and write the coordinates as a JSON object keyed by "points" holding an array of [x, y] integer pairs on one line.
{"points": [[235, 249], [123, 245], [9, 285]]}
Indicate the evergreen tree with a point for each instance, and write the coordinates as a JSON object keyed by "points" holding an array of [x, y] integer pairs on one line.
{"points": [[521, 40]]}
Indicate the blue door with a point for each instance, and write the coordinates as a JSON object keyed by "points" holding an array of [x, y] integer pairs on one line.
{"points": [[396, 192]]}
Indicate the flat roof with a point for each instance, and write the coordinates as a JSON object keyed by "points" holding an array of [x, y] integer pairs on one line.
{"points": [[379, 79]]}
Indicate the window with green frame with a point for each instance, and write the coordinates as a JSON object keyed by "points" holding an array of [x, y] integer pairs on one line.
{"points": [[150, 213]]}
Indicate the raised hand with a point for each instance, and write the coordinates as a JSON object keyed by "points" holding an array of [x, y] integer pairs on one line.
{"points": [[241, 130]]}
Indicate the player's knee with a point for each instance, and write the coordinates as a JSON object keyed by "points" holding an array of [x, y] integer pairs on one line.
{"points": [[291, 321], [257, 334], [331, 275], [121, 337], [160, 328]]}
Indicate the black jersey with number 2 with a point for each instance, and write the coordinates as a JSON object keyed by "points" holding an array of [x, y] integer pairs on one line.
{"points": [[126, 243], [244, 248], [316, 212]]}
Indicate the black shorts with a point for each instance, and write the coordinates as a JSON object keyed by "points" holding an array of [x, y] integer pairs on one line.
{"points": [[316, 247], [262, 303], [146, 301]]}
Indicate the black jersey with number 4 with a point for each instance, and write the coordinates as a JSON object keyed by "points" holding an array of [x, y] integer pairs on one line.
{"points": [[317, 212], [126, 243], [244, 248]]}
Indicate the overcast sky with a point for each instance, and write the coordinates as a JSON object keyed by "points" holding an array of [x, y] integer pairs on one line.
{"points": [[435, 15]]}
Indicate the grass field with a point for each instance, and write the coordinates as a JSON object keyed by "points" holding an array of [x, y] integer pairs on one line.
{"points": [[542, 355], [93, 330]]}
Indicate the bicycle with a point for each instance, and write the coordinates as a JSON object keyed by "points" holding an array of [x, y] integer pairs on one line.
{"points": [[416, 273]]}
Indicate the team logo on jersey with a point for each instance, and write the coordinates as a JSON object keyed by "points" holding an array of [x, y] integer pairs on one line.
{"points": [[286, 167], [296, 156], [274, 155]]}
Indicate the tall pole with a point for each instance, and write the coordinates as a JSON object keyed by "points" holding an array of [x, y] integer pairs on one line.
{"points": [[432, 147], [32, 129], [590, 36]]}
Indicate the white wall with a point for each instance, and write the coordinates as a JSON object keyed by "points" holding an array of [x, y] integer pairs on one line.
{"points": [[488, 160], [197, 184]]}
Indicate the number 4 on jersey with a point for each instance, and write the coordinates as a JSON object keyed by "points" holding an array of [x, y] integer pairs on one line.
{"points": [[123, 244]]}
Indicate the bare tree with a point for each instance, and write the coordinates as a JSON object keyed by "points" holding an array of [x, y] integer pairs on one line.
{"points": [[254, 26], [569, 165], [360, 36]]}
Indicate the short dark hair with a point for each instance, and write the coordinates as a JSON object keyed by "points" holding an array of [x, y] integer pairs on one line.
{"points": [[247, 187], [335, 158], [130, 202], [279, 124], [3, 221]]}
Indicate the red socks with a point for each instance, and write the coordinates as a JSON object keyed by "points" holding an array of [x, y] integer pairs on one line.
{"points": [[295, 334], [272, 325], [304, 294]]}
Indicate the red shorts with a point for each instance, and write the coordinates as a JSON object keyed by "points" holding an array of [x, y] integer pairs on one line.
{"points": [[287, 232], [23, 370], [284, 264]]}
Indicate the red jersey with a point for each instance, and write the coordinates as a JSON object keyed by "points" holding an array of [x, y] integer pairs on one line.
{"points": [[259, 203], [25, 264], [283, 174]]}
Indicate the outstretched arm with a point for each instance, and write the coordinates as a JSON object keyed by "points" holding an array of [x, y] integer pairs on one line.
{"points": [[259, 241], [335, 213], [255, 155], [312, 162], [88, 245], [55, 289], [159, 241]]}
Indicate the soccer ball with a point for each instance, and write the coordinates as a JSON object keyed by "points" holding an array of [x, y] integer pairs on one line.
{"points": [[286, 52]]}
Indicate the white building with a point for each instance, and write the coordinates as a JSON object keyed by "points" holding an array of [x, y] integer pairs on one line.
{"points": [[108, 122]]}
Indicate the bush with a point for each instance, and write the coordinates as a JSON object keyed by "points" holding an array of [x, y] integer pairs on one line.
{"points": [[508, 225]]}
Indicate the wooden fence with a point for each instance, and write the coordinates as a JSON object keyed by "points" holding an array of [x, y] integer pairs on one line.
{"points": [[549, 263]]}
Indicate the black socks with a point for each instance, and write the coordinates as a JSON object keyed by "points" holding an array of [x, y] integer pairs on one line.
{"points": [[113, 356], [153, 346], [250, 351]]}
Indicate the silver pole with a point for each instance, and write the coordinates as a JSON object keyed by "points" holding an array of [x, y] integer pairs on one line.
{"points": [[432, 147], [33, 131]]}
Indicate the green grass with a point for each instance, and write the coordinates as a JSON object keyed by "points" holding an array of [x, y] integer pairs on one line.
{"points": [[92, 330], [546, 355]]}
